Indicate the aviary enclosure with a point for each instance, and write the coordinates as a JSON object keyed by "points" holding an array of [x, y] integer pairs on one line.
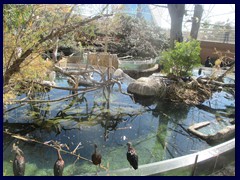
{"points": [[61, 108]]}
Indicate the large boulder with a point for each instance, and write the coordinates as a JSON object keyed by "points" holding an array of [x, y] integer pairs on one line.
{"points": [[145, 86]]}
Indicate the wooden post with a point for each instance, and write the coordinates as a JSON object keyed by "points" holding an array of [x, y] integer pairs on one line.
{"points": [[195, 165], [109, 66]]}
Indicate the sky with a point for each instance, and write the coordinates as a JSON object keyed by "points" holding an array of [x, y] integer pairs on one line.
{"points": [[212, 12]]}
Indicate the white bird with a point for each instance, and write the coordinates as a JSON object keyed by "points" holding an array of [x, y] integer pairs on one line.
{"points": [[52, 76]]}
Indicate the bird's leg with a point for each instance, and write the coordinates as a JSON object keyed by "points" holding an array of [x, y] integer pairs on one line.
{"points": [[96, 170], [99, 167]]}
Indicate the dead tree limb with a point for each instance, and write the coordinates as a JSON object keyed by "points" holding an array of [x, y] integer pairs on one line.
{"points": [[213, 82]]}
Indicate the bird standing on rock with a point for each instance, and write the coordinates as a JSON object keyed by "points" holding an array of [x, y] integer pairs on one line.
{"points": [[96, 157], [18, 162], [132, 156], [59, 165], [200, 71]]}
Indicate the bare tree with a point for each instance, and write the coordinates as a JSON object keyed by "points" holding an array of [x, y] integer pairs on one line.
{"points": [[176, 12]]}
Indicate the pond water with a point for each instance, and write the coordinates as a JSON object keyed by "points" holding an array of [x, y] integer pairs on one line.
{"points": [[158, 131]]}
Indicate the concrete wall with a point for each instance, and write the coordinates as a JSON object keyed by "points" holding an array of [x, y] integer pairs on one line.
{"points": [[208, 49]]}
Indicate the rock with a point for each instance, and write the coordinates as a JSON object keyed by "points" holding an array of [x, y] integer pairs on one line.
{"points": [[48, 83], [145, 86], [142, 73]]}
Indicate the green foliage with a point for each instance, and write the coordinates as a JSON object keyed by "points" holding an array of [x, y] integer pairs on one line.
{"points": [[16, 16], [182, 58], [24, 26]]}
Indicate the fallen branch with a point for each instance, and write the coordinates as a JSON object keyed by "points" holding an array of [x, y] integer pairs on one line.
{"points": [[225, 73], [59, 69], [207, 81]]}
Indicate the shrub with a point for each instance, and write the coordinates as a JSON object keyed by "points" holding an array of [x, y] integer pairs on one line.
{"points": [[182, 58]]}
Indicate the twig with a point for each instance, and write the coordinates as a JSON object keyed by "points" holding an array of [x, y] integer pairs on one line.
{"points": [[120, 88], [74, 151]]}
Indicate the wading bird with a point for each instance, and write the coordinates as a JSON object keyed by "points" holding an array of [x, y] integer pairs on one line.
{"points": [[18, 162], [96, 157], [200, 71], [132, 156], [59, 165]]}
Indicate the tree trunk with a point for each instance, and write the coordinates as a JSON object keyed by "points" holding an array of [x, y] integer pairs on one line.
{"points": [[55, 49], [176, 12], [139, 11], [198, 11]]}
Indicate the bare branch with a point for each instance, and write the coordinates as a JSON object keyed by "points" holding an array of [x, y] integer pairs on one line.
{"points": [[55, 146], [55, 100], [67, 17]]}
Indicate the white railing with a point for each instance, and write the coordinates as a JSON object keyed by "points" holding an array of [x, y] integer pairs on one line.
{"points": [[150, 61], [217, 35]]}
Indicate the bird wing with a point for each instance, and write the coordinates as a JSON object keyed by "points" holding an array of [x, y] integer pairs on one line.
{"points": [[132, 159], [19, 165], [58, 167]]}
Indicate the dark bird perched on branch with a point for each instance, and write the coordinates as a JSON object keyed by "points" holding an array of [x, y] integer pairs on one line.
{"points": [[59, 165], [132, 156], [18, 162], [96, 157]]}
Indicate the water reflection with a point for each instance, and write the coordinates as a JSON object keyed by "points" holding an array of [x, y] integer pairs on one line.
{"points": [[108, 118]]}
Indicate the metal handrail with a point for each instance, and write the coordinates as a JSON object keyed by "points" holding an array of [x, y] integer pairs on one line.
{"points": [[192, 164]]}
